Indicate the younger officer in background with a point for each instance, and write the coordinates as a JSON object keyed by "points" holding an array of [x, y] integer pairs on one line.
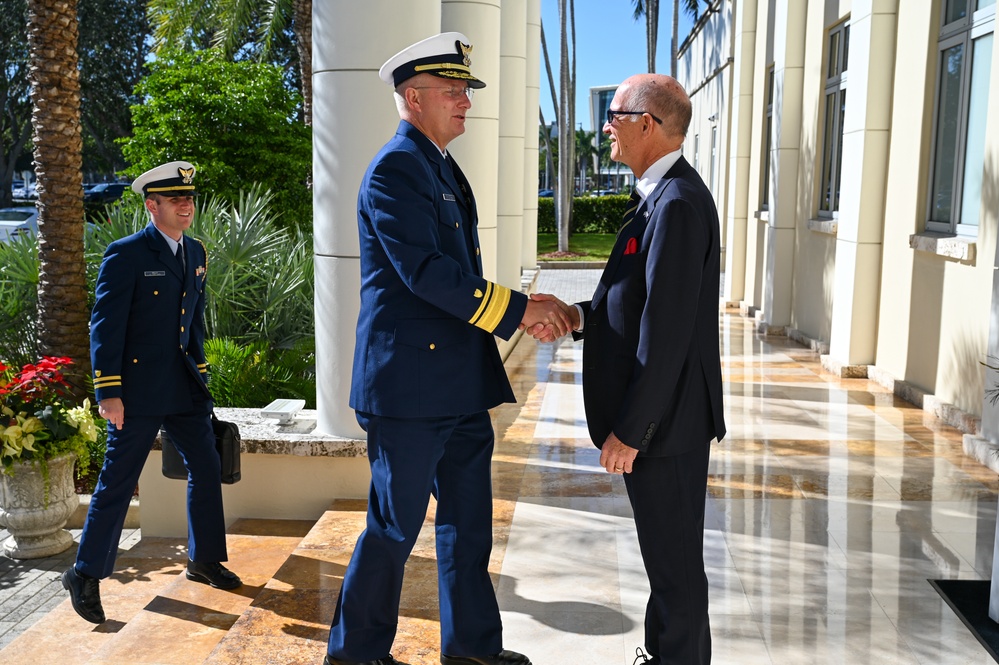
{"points": [[147, 347]]}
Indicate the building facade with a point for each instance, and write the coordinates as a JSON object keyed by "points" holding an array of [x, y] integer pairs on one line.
{"points": [[853, 148]]}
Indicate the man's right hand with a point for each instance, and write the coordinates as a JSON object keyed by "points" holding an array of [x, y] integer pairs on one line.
{"points": [[549, 333], [112, 410], [546, 313]]}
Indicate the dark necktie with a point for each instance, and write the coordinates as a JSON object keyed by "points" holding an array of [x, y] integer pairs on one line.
{"points": [[634, 201], [180, 256]]}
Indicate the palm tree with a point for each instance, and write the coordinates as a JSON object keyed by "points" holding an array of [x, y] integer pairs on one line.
{"points": [[585, 152], [230, 23], [55, 96], [567, 119], [650, 10]]}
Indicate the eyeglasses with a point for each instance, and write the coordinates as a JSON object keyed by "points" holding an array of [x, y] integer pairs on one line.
{"points": [[611, 114], [452, 93]]}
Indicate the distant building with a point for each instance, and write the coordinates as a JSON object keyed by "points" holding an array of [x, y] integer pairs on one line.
{"points": [[611, 175]]}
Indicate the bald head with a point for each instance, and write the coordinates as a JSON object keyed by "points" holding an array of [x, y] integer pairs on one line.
{"points": [[663, 97]]}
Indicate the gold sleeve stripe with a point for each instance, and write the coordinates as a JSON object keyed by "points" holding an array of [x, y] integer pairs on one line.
{"points": [[106, 384], [106, 377], [493, 307], [482, 306], [496, 309], [203, 370]]}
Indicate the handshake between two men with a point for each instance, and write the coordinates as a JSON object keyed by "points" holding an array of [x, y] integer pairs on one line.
{"points": [[547, 318]]}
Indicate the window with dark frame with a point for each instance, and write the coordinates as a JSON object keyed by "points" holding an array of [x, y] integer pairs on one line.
{"points": [[964, 59], [765, 179], [834, 109]]}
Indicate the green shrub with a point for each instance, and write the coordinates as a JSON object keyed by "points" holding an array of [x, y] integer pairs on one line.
{"points": [[252, 375], [590, 214]]}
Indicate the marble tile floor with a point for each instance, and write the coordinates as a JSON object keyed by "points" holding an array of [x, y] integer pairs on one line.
{"points": [[830, 504]]}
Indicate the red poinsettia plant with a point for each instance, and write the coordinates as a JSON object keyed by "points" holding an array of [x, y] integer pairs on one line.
{"points": [[39, 417]]}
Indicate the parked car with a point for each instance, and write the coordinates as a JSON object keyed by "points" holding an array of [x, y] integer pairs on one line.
{"points": [[24, 192], [546, 193], [603, 192], [22, 220], [105, 192]]}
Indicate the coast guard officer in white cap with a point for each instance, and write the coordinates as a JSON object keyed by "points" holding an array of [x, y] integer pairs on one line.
{"points": [[147, 335], [426, 371]]}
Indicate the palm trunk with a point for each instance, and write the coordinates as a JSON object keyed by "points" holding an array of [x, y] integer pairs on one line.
{"points": [[567, 123], [302, 22], [55, 94], [676, 35]]}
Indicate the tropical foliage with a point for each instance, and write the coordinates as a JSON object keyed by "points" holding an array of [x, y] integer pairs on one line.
{"points": [[234, 120], [236, 28], [259, 296]]}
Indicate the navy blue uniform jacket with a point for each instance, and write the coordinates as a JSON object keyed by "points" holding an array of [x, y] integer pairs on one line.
{"points": [[652, 369], [147, 331], [425, 345]]}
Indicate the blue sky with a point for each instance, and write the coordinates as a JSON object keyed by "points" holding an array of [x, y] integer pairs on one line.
{"points": [[610, 47]]}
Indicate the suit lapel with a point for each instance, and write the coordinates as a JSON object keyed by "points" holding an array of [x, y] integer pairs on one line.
{"points": [[160, 246], [634, 231]]}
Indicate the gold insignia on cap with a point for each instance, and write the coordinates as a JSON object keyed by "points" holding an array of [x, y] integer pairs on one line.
{"points": [[465, 50], [187, 175]]}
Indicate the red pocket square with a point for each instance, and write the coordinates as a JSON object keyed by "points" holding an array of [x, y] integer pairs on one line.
{"points": [[631, 247]]}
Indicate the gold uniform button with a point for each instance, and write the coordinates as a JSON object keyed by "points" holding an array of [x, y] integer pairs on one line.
{"points": [[184, 295], [182, 329], [433, 346], [456, 225], [183, 311], [135, 360], [156, 293], [476, 251]]}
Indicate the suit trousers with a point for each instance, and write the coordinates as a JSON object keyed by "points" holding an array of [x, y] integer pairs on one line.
{"points": [[667, 497], [127, 451], [450, 458]]}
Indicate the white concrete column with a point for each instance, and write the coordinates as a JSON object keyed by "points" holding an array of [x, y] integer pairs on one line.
{"points": [[785, 146], [756, 223], [477, 151], [741, 146], [510, 184], [866, 135], [532, 93], [350, 40]]}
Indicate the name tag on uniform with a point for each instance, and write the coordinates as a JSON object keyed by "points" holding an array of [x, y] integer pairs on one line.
{"points": [[155, 273], [449, 197]]}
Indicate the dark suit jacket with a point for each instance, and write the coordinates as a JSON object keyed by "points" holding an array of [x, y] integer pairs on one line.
{"points": [[425, 344], [147, 331], [651, 363]]}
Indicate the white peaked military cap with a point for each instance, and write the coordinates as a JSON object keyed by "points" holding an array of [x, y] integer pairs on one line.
{"points": [[170, 179], [447, 55]]}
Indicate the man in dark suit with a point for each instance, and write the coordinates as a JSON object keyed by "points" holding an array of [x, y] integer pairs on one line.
{"points": [[147, 337], [652, 385], [426, 371]]}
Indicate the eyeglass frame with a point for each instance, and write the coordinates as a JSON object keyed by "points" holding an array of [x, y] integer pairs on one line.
{"points": [[467, 90], [611, 113]]}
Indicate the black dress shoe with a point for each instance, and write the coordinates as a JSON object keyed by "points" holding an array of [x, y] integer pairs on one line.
{"points": [[388, 660], [85, 593], [504, 657], [214, 574]]}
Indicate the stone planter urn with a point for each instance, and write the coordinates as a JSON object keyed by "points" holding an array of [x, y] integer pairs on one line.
{"points": [[35, 509]]}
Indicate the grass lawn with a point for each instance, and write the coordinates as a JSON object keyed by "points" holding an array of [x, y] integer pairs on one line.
{"points": [[582, 246]]}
